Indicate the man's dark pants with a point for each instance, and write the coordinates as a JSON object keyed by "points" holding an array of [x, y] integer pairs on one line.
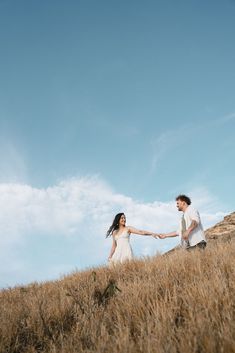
{"points": [[200, 246]]}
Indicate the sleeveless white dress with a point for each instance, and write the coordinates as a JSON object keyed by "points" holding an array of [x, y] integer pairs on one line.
{"points": [[123, 251]]}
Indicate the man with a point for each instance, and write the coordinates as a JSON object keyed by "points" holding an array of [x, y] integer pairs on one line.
{"points": [[190, 229]]}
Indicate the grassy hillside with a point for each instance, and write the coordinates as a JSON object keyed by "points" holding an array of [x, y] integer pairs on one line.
{"points": [[181, 302]]}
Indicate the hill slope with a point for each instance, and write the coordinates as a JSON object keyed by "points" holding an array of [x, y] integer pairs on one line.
{"points": [[183, 302], [223, 231]]}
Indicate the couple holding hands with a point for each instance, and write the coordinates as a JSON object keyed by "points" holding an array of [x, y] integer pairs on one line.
{"points": [[190, 230]]}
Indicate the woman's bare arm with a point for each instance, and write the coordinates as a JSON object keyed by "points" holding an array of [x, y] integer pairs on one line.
{"points": [[139, 232], [114, 245]]}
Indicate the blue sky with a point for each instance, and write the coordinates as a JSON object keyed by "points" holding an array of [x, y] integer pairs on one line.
{"points": [[133, 100]]}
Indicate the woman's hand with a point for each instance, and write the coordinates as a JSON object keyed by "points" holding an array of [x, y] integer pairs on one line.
{"points": [[155, 235]]}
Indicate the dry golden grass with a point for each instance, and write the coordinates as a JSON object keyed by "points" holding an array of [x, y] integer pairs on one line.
{"points": [[182, 302]]}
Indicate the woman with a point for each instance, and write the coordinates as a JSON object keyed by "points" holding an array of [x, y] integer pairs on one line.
{"points": [[121, 248]]}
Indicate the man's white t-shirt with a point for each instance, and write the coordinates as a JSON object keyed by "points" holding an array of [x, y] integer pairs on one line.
{"points": [[197, 235]]}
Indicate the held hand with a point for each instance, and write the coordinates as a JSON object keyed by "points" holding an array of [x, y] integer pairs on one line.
{"points": [[155, 235], [159, 236], [162, 236]]}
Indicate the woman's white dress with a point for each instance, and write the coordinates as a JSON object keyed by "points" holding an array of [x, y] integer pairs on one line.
{"points": [[123, 251]]}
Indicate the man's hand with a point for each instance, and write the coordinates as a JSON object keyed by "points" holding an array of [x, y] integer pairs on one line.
{"points": [[185, 235]]}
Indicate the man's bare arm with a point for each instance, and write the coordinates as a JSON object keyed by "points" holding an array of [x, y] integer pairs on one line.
{"points": [[192, 226], [167, 235]]}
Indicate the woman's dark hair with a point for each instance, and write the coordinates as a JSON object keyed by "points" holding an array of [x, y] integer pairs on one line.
{"points": [[115, 224], [183, 198]]}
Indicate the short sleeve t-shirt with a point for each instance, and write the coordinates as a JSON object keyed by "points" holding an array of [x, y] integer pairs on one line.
{"points": [[197, 235]]}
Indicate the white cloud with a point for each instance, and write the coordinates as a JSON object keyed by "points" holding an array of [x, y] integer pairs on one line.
{"points": [[80, 211]]}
